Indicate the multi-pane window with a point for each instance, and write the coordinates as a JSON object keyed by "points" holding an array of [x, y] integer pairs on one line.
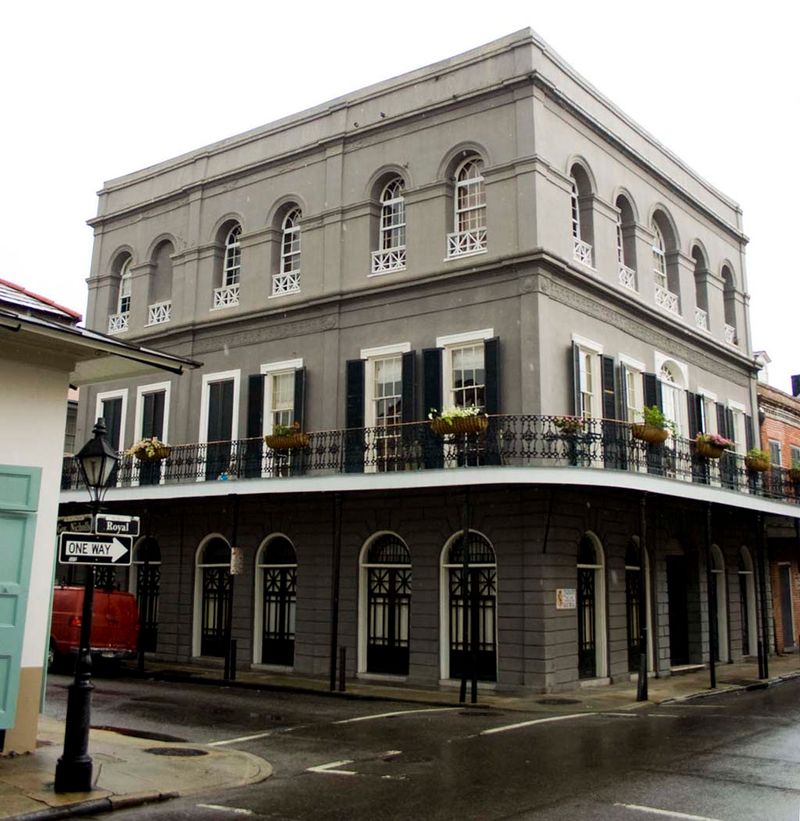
{"points": [[672, 397], [708, 414], [124, 303], [633, 394], [470, 197], [393, 216], [659, 257], [233, 256], [468, 375], [775, 452], [282, 399], [794, 456], [739, 434], [588, 382], [290, 242], [576, 212], [388, 391]]}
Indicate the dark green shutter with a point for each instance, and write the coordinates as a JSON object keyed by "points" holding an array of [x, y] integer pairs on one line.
{"points": [[300, 397], [576, 380], [409, 409], [609, 387], [722, 421], [491, 365], [354, 417], [695, 414], [748, 431], [255, 425], [432, 400], [652, 391]]}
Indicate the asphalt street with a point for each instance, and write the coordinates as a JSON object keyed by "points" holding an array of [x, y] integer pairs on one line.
{"points": [[727, 757]]}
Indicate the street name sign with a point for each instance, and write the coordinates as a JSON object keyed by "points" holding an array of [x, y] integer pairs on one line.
{"points": [[112, 524], [89, 548], [80, 523]]}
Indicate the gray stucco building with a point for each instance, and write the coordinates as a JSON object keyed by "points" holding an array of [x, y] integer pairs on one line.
{"points": [[488, 232]]}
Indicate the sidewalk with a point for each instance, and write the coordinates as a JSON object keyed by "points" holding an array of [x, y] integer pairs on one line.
{"points": [[129, 771]]}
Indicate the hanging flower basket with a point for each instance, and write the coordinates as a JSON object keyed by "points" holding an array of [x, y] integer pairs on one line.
{"points": [[649, 433], [286, 441], [150, 450], [709, 451], [756, 465], [459, 424]]}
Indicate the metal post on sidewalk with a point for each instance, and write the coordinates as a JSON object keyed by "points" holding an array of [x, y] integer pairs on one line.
{"points": [[641, 684], [712, 606], [335, 573]]}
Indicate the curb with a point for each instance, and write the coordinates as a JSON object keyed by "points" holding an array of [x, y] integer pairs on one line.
{"points": [[94, 806]]}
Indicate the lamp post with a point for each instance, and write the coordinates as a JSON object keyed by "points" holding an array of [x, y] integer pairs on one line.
{"points": [[74, 769]]}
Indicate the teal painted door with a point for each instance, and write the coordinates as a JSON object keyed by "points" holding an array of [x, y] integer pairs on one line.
{"points": [[19, 497]]}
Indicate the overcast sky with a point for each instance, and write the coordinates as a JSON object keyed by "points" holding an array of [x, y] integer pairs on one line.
{"points": [[93, 90]]}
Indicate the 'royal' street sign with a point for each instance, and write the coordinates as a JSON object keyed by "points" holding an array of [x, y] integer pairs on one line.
{"points": [[113, 525], [87, 548]]}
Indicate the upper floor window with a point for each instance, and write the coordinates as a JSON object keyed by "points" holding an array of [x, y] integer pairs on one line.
{"points": [[469, 219], [626, 246], [118, 320], [227, 293], [665, 266], [287, 280], [391, 253], [659, 257], [729, 297], [468, 376], [700, 289], [673, 395], [581, 211]]}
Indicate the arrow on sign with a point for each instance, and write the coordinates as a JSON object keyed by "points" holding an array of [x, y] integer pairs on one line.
{"points": [[117, 550]]}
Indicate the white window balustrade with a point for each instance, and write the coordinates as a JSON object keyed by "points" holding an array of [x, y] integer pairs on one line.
{"points": [[582, 251], [730, 334], [159, 312], [701, 319], [627, 277], [288, 283], [117, 323], [463, 243], [393, 259], [227, 296], [666, 300]]}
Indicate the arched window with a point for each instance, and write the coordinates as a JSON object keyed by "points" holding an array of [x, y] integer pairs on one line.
{"points": [[719, 602], [729, 297], [469, 614], [145, 584], [665, 271], [747, 603], [212, 597], [469, 219], [287, 281], [591, 609], [700, 289], [227, 294], [118, 322], [385, 605], [159, 309], [276, 602], [626, 244], [581, 210], [391, 253]]}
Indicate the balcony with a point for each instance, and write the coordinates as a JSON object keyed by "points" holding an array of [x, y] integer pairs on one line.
{"points": [[581, 251], [393, 259], [226, 297], [701, 319], [730, 334], [159, 312], [666, 300], [464, 243], [287, 283], [627, 277], [510, 442], [117, 323]]}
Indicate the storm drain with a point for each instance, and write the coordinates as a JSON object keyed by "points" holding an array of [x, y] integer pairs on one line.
{"points": [[177, 752], [555, 702]]}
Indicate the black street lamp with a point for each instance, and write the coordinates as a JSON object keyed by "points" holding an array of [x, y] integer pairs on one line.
{"points": [[97, 462]]}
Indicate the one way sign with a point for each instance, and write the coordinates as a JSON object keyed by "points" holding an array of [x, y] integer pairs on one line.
{"points": [[87, 548]]}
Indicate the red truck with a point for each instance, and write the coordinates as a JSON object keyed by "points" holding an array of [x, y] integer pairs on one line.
{"points": [[115, 624]]}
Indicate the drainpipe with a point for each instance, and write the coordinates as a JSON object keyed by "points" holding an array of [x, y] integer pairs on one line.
{"points": [[641, 685], [712, 606], [335, 575]]}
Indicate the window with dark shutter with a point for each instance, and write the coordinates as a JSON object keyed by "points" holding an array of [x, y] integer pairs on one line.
{"points": [[354, 444], [491, 365]]}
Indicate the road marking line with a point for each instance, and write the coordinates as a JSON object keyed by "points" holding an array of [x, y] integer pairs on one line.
{"points": [[667, 813], [396, 713], [531, 723], [620, 715], [329, 768], [254, 737], [237, 810]]}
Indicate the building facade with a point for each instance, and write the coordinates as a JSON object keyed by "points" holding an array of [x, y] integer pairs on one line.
{"points": [[486, 233]]}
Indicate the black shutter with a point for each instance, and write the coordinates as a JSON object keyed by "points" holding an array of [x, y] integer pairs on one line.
{"points": [[722, 422], [694, 407], [748, 432], [731, 428], [255, 424], [152, 425], [409, 407], [576, 380], [491, 364], [432, 400], [609, 387], [112, 416], [652, 391], [623, 393], [354, 417], [220, 426], [300, 397]]}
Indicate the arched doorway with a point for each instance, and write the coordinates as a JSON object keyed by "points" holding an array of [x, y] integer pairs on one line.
{"points": [[720, 602], [385, 605], [591, 598], [276, 602], [145, 584], [212, 597], [747, 603], [469, 608]]}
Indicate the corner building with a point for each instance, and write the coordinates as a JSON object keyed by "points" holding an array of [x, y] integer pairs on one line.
{"points": [[486, 231]]}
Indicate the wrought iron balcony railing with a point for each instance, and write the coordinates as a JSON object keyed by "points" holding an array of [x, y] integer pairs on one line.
{"points": [[507, 441]]}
